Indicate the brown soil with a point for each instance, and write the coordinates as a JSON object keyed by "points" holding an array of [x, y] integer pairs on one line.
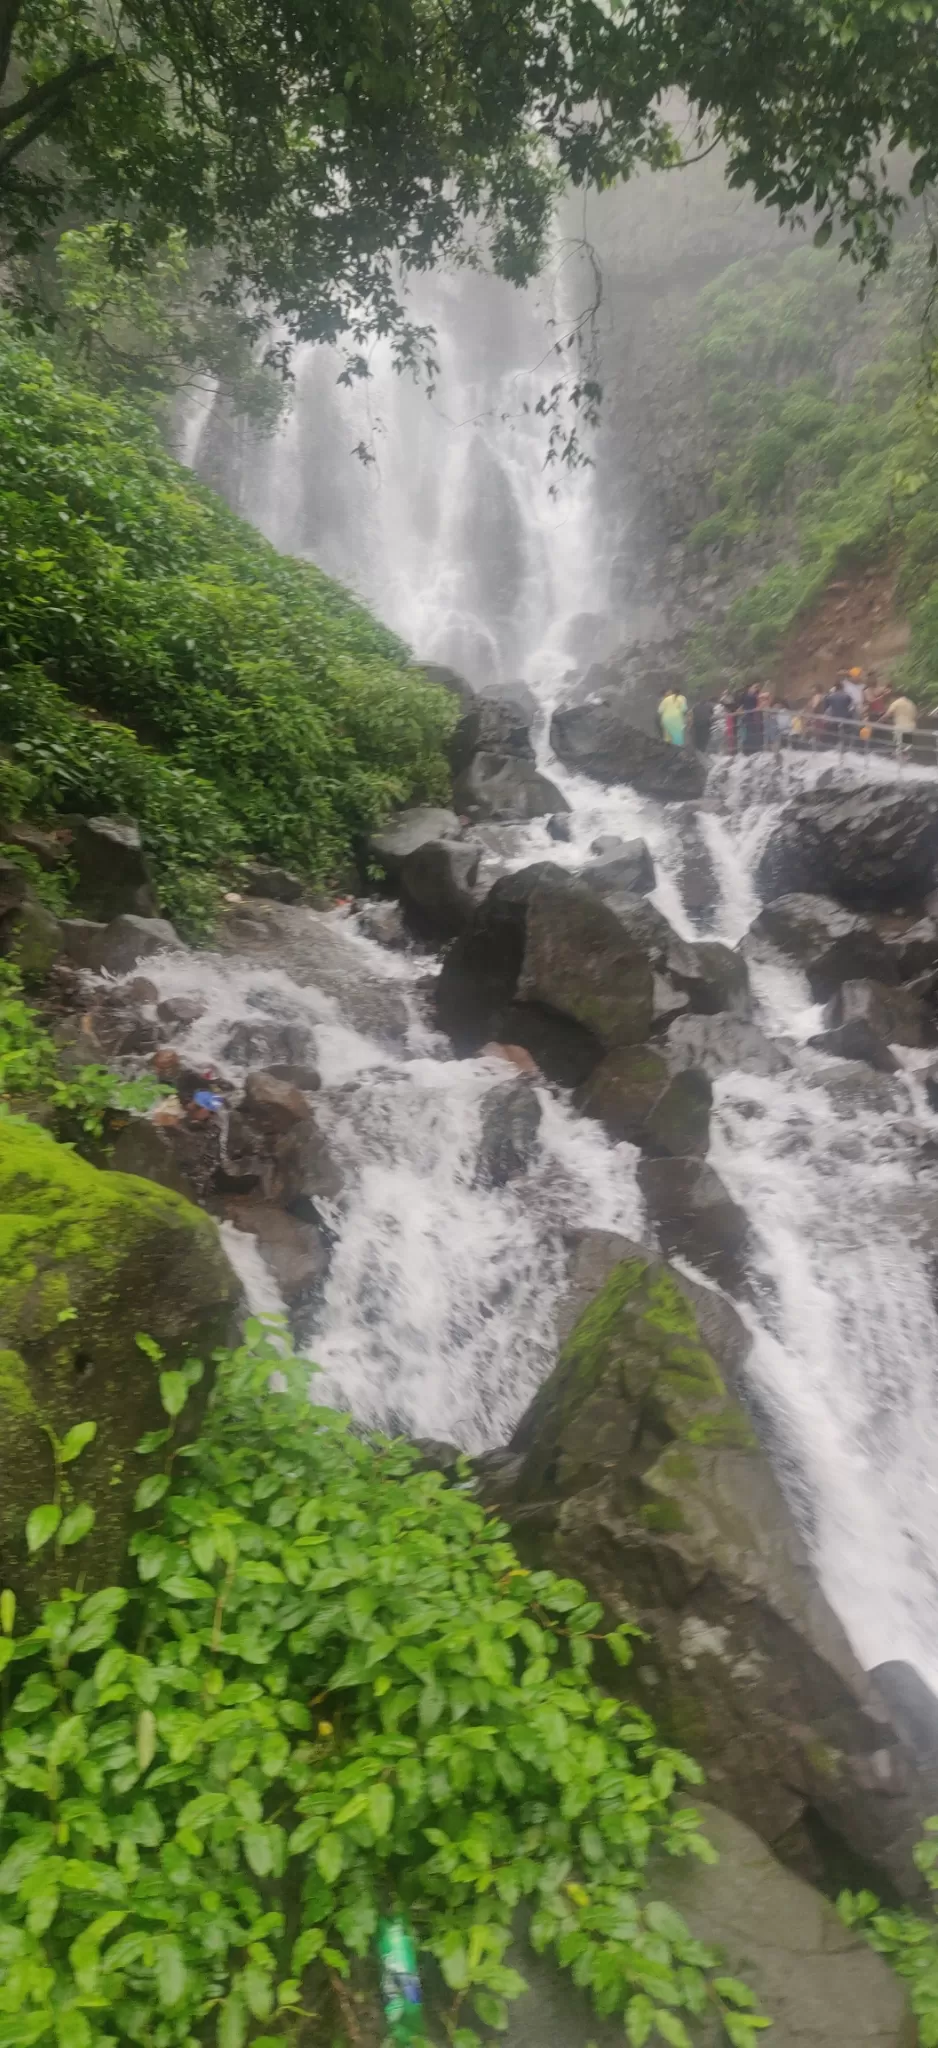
{"points": [[856, 624]]}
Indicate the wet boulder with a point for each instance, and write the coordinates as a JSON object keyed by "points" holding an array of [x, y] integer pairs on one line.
{"points": [[179, 1013], [721, 983], [511, 1124], [31, 939], [180, 1154], [541, 940], [14, 887], [503, 787], [450, 680], [627, 870], [116, 948], [436, 884], [278, 885], [317, 952], [622, 1090], [704, 975], [678, 1125], [636, 1471], [492, 726], [558, 828], [407, 830], [831, 944], [894, 1014], [261, 1041], [857, 1041], [295, 1251], [914, 951], [113, 873], [597, 739], [722, 1045], [696, 1218], [872, 847], [518, 694], [698, 879], [273, 1106]]}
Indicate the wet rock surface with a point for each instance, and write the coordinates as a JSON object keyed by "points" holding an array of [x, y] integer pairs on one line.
{"points": [[113, 874], [598, 740], [626, 869], [406, 831], [857, 1041], [506, 786], [722, 1045], [894, 1014], [511, 1123], [316, 951], [871, 847], [437, 885], [696, 1218]]}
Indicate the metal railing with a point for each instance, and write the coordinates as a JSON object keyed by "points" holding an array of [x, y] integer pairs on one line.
{"points": [[757, 732]]}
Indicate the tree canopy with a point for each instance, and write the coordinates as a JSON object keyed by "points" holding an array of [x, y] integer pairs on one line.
{"points": [[322, 149]]}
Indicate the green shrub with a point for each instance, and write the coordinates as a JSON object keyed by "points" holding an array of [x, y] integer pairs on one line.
{"points": [[333, 1691], [80, 1103], [908, 1940], [231, 695]]}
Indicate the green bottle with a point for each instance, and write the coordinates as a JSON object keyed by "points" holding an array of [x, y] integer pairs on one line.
{"points": [[400, 1983]]}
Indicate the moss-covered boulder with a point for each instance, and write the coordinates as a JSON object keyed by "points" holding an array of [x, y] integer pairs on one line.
{"points": [[637, 1471], [88, 1260]]}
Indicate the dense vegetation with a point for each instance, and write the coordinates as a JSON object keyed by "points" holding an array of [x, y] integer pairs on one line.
{"points": [[158, 658], [332, 1692], [78, 1105], [823, 436]]}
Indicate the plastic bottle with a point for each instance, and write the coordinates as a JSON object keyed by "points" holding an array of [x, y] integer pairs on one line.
{"points": [[400, 1983]]}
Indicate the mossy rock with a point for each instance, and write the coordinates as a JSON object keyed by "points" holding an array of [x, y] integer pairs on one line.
{"points": [[88, 1260]]}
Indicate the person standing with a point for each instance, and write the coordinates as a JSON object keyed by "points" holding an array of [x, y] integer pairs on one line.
{"points": [[701, 718], [751, 721], [877, 698], [902, 716], [852, 683], [838, 703], [672, 717]]}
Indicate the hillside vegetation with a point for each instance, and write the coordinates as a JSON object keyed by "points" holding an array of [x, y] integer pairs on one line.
{"points": [[158, 657], [824, 443]]}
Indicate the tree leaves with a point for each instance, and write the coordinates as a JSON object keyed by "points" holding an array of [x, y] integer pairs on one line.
{"points": [[42, 1525]]}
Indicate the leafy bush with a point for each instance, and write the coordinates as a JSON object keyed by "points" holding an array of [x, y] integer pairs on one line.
{"points": [[81, 1102], [908, 1942], [131, 595], [334, 1691], [53, 888]]}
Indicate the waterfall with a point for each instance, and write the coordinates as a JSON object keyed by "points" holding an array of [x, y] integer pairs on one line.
{"points": [[438, 1316]]}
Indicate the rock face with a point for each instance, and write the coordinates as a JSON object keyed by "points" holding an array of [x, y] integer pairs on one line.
{"points": [[277, 884], [31, 938], [833, 945], [820, 1983], [722, 1045], [436, 884], [598, 740], [317, 953], [706, 977], [116, 947], [894, 1014], [632, 1095], [113, 875], [125, 1256], [448, 679], [629, 871], [857, 1041], [695, 1217], [872, 848], [635, 1471], [542, 941], [503, 787], [493, 725], [404, 833], [511, 1123]]}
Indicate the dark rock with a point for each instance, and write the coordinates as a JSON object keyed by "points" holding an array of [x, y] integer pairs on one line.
{"points": [[622, 1091], [436, 885], [113, 875], [832, 945], [294, 1250], [705, 976], [559, 1047], [678, 1126], [722, 1045], [276, 884], [862, 956], [696, 1217], [407, 830], [607, 843], [643, 1478], [183, 1156], [914, 951], [14, 887], [518, 693], [892, 1013], [913, 1707], [267, 1041], [273, 1105], [857, 1041], [115, 948], [448, 679], [141, 990], [48, 851], [316, 952], [721, 982], [541, 938], [80, 940], [298, 1075], [595, 1254], [511, 1123], [31, 938], [873, 847], [698, 880], [135, 1034], [180, 1011], [630, 871], [503, 787], [383, 923], [492, 726], [558, 827], [304, 1171], [598, 740], [931, 1086]]}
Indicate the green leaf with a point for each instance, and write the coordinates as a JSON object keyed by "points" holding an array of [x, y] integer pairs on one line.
{"points": [[380, 1807], [78, 1523], [42, 1525], [258, 1846], [72, 2028], [731, 1989], [672, 2029], [75, 1439], [150, 1491], [664, 1920], [330, 1857], [174, 1391], [7, 1611], [171, 1974], [639, 2020], [232, 2022], [146, 1738], [149, 1348]]}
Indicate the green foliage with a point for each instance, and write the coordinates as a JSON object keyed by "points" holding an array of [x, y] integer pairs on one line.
{"points": [[333, 1692], [53, 888], [81, 1103], [158, 657], [907, 1940], [824, 473]]}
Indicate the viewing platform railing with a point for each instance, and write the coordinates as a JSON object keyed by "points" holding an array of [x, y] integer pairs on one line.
{"points": [[758, 732]]}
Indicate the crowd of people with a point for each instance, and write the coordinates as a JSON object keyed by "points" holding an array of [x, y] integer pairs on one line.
{"points": [[747, 721]]}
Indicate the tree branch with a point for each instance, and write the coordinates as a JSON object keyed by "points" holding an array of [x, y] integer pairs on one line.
{"points": [[42, 101], [10, 11]]}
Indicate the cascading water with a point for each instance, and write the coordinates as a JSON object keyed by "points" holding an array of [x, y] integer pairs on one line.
{"points": [[439, 1309]]}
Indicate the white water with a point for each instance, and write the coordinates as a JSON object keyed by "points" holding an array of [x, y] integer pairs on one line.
{"points": [[438, 1316]]}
